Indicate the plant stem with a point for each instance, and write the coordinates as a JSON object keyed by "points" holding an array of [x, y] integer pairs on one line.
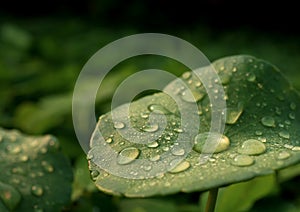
{"points": [[212, 199]]}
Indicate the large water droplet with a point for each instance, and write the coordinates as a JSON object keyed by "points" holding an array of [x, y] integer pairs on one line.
{"points": [[119, 125], [159, 109], [242, 160], [233, 114], [9, 196], [282, 155], [268, 121], [37, 190], [128, 155], [151, 128], [201, 139], [284, 134], [252, 147], [182, 166], [153, 144], [177, 151]]}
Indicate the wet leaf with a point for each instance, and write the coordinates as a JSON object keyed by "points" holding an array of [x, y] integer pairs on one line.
{"points": [[262, 127], [34, 174]]}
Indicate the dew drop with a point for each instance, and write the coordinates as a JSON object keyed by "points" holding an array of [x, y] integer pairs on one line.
{"points": [[24, 158], [186, 75], [192, 96], [251, 77], [159, 109], [293, 106], [296, 148], [37, 190], [292, 115], [178, 130], [155, 158], [151, 128], [109, 140], [165, 148], [147, 167], [242, 160], [282, 155], [252, 147], [153, 144], [9, 196], [268, 121], [13, 149], [182, 166], [178, 151], [234, 69], [94, 174], [119, 125], [259, 133], [201, 139], [47, 166], [233, 114], [144, 115], [284, 134], [128, 155]]}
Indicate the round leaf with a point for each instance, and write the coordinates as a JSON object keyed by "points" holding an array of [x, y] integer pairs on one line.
{"points": [[261, 134]]}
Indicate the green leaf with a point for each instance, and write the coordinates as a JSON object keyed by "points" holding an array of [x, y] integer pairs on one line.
{"points": [[262, 127], [146, 205], [34, 174]]}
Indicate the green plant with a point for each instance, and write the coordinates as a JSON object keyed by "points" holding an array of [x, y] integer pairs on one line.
{"points": [[261, 134]]}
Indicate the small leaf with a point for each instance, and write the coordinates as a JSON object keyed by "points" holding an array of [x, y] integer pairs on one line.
{"points": [[262, 127], [34, 175]]}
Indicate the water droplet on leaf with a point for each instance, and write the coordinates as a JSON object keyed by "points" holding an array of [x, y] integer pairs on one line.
{"points": [[252, 147], [284, 134], [159, 109], [94, 174], [37, 190], [153, 144], [151, 128], [268, 121], [233, 114], [242, 160], [251, 77], [282, 155], [178, 151], [293, 106], [119, 125], [182, 166], [128, 155], [201, 139]]}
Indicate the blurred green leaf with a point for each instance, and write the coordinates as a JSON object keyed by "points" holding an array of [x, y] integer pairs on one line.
{"points": [[35, 175], [241, 196]]}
